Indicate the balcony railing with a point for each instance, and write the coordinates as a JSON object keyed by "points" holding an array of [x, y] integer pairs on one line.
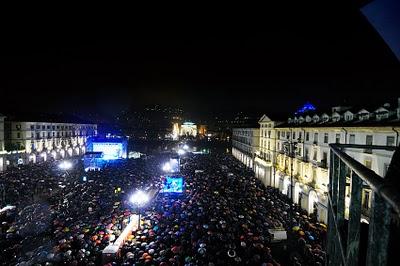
{"points": [[344, 248]]}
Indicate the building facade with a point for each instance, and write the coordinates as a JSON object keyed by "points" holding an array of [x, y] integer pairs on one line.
{"points": [[265, 157], [245, 143], [39, 141], [294, 155]]}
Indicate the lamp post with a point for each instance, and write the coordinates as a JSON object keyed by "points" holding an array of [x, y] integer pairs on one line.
{"points": [[290, 148], [65, 165], [139, 198]]}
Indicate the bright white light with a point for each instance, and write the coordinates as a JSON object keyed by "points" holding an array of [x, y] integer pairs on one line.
{"points": [[181, 152], [139, 198], [185, 147], [65, 165], [167, 167]]}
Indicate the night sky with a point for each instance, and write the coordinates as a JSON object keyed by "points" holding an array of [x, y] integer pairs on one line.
{"points": [[254, 65]]}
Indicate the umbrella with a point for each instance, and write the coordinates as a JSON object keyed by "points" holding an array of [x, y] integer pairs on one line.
{"points": [[296, 228]]}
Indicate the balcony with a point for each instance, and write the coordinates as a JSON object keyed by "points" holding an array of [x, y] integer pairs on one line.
{"points": [[344, 238], [323, 164]]}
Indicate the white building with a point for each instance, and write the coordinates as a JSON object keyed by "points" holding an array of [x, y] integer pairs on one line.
{"points": [[2, 149], [188, 129], [308, 135], [245, 144], [35, 141]]}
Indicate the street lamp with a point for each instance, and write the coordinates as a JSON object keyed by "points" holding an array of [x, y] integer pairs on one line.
{"points": [[65, 165], [290, 148], [167, 167], [139, 198]]}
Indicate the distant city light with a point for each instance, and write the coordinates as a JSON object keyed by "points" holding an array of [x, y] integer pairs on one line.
{"points": [[181, 152], [185, 147], [65, 165], [139, 198]]}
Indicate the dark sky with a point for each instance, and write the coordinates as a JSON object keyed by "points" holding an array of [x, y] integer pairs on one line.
{"points": [[255, 64]]}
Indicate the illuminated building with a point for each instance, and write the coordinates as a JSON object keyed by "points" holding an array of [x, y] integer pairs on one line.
{"points": [[245, 144], [175, 131], [41, 138], [202, 132], [308, 134], [188, 129]]}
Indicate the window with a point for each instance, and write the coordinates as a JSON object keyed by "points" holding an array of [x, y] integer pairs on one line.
{"points": [[48, 127], [58, 134], [352, 139], [315, 138], [326, 138], [58, 127], [368, 164], [307, 154], [294, 135], [38, 135], [283, 134], [366, 200], [54, 127], [37, 126], [315, 155], [300, 135], [390, 141], [287, 135], [18, 135], [43, 127], [279, 134], [368, 141], [54, 134], [324, 160], [32, 127], [269, 133], [48, 134], [337, 138], [307, 136], [32, 135]]}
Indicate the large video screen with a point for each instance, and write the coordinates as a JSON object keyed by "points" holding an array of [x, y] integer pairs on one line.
{"points": [[173, 185], [110, 150]]}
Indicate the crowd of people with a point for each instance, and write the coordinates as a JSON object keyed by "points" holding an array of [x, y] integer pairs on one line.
{"points": [[221, 218]]}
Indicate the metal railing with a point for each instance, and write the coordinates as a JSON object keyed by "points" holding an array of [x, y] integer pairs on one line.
{"points": [[344, 235]]}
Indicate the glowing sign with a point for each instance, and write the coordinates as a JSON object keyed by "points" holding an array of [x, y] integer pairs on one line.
{"points": [[110, 150], [173, 185]]}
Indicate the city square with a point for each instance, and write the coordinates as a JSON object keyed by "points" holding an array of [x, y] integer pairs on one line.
{"points": [[221, 215]]}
